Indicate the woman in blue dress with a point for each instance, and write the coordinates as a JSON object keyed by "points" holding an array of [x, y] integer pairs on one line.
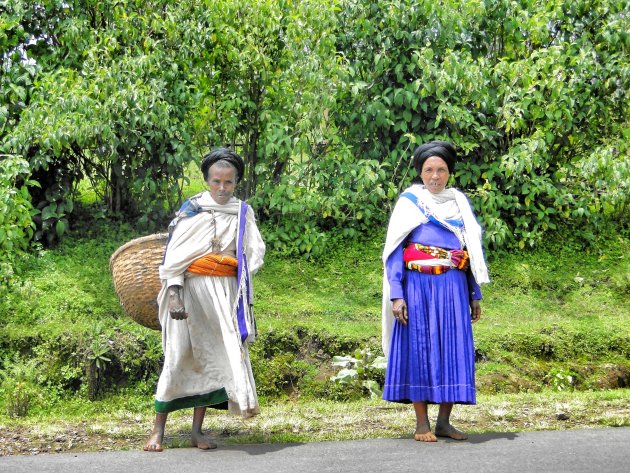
{"points": [[434, 264]]}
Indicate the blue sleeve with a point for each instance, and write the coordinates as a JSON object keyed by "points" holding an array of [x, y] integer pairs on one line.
{"points": [[395, 269], [473, 288]]}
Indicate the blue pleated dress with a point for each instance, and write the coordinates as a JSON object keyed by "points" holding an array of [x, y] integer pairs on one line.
{"points": [[431, 359]]}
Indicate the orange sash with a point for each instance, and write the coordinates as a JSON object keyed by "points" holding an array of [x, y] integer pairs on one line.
{"points": [[213, 264]]}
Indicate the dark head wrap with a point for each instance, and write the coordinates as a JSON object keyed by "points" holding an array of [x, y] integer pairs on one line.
{"points": [[222, 154], [442, 149]]}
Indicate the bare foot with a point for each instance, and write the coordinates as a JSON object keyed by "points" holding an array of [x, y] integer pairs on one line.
{"points": [[448, 430], [154, 444], [423, 433], [201, 441]]}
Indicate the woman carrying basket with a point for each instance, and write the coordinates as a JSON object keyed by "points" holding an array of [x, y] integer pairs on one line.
{"points": [[214, 248]]}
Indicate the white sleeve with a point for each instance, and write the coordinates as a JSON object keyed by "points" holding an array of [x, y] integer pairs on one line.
{"points": [[254, 245]]}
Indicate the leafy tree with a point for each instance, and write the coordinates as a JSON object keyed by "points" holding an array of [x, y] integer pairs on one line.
{"points": [[269, 82], [113, 109], [326, 102], [533, 94]]}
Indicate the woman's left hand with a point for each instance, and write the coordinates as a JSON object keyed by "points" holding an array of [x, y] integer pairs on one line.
{"points": [[475, 310]]}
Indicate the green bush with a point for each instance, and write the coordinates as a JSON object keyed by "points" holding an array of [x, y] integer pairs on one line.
{"points": [[533, 94], [19, 386], [16, 214], [278, 376]]}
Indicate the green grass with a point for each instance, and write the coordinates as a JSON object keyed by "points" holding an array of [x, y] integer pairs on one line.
{"points": [[555, 321], [341, 294], [124, 422]]}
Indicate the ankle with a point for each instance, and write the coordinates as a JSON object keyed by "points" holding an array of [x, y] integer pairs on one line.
{"points": [[423, 426], [443, 421]]}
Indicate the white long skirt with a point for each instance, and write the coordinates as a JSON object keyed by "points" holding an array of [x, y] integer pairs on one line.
{"points": [[204, 360]]}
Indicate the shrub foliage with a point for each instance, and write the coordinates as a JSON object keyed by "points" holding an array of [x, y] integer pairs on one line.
{"points": [[16, 213], [326, 101]]}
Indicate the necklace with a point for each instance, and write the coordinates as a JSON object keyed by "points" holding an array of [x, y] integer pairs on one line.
{"points": [[215, 243]]}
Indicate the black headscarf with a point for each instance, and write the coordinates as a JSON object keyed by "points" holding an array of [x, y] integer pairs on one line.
{"points": [[442, 149], [222, 154]]}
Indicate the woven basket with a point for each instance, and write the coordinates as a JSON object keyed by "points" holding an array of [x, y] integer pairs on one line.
{"points": [[134, 267]]}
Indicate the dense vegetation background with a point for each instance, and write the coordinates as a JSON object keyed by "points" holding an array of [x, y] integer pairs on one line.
{"points": [[325, 100], [106, 107]]}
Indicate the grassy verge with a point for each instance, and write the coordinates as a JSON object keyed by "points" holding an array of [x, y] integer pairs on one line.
{"points": [[124, 422]]}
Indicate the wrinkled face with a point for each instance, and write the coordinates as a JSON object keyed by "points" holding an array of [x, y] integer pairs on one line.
{"points": [[435, 174], [221, 183]]}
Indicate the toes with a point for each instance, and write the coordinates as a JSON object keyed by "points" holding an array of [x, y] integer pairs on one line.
{"points": [[425, 437], [206, 445], [203, 443], [152, 448]]}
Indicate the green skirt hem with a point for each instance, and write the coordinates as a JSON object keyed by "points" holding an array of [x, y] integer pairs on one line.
{"points": [[217, 399]]}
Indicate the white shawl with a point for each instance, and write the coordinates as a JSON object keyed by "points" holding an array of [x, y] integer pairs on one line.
{"points": [[192, 236]]}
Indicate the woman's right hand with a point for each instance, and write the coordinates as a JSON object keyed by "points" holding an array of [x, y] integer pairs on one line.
{"points": [[175, 304], [399, 306]]}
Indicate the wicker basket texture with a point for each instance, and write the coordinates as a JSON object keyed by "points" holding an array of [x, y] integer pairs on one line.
{"points": [[134, 268]]}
